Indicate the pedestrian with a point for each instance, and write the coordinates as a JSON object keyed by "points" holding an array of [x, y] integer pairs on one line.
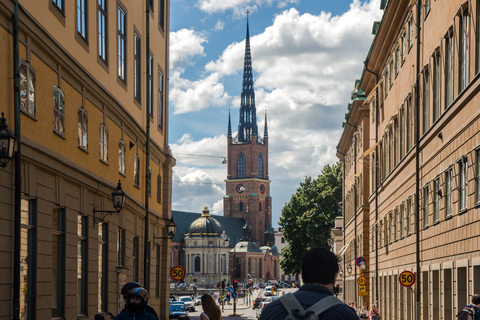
{"points": [[319, 271], [137, 300], [352, 305], [211, 311], [363, 312], [124, 292], [471, 311], [374, 313]]}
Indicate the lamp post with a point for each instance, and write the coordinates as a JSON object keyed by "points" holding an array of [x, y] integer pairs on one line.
{"points": [[7, 143], [118, 199], [349, 268], [171, 230]]}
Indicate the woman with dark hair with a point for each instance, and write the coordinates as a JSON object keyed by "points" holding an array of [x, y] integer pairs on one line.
{"points": [[210, 309]]}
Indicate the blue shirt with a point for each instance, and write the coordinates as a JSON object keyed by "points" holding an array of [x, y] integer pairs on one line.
{"points": [[308, 295]]}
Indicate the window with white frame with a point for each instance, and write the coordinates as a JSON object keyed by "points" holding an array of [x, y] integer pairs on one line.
{"points": [[397, 60], [102, 29], [402, 132], [436, 85], [436, 200], [58, 111], [462, 183], [385, 81], [425, 206], [82, 126], [408, 124], [401, 220], [27, 89], [409, 216], [448, 192], [121, 43], [82, 18], [426, 99], [410, 32], [121, 157], [136, 171], [448, 68], [403, 45], [103, 143], [463, 50], [395, 224]]}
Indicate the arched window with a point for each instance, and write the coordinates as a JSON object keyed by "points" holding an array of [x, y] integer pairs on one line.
{"points": [[241, 165], [241, 206], [260, 165], [197, 264]]}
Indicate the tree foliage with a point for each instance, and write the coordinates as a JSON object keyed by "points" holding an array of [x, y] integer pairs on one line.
{"points": [[308, 218]]}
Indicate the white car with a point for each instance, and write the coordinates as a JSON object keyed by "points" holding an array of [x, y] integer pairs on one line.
{"points": [[189, 303], [198, 300], [260, 307]]}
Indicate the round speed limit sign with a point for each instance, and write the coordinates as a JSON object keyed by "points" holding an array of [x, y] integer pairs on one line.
{"points": [[177, 273], [406, 278]]}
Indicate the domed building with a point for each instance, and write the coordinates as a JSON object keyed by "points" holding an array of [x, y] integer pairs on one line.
{"points": [[206, 250]]}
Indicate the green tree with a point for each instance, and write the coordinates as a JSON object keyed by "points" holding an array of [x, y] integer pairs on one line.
{"points": [[308, 218]]}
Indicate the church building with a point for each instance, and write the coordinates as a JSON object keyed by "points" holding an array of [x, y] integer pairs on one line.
{"points": [[246, 227]]}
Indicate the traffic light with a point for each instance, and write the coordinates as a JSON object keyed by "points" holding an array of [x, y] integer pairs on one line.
{"points": [[235, 284], [336, 289], [223, 284], [249, 284]]}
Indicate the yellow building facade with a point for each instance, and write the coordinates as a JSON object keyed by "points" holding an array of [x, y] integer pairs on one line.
{"points": [[411, 154], [93, 114]]}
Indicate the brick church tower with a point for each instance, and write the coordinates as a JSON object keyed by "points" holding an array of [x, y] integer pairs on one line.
{"points": [[247, 185]]}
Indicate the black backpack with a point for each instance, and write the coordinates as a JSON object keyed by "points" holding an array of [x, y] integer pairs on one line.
{"points": [[468, 313]]}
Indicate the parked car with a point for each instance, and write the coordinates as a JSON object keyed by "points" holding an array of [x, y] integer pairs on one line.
{"points": [[183, 286], [189, 303], [260, 308], [198, 300], [177, 311], [257, 302]]}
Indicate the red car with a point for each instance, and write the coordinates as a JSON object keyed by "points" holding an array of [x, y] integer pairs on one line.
{"points": [[257, 302]]}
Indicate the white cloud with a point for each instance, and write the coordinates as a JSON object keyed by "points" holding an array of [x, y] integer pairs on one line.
{"points": [[238, 6], [304, 67], [220, 25], [184, 45]]}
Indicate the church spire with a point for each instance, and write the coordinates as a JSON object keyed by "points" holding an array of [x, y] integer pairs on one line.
{"points": [[229, 132], [248, 113], [265, 132]]}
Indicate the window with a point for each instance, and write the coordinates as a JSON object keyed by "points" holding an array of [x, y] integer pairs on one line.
{"points": [[462, 183], [121, 157], [408, 216], [157, 270], [436, 85], [410, 32], [122, 44], [390, 150], [135, 258], [82, 18], [477, 38], [380, 234], [150, 85], [401, 220], [260, 165], [391, 226], [436, 200], [395, 144], [409, 124], [102, 30], [27, 89], [397, 60], [102, 298], [385, 81], [58, 4], [477, 175], [138, 67], [425, 206], [395, 224], [448, 69], [136, 171], [403, 45], [82, 128], [241, 206], [58, 111], [428, 7], [448, 192], [103, 143], [390, 79], [161, 14], [58, 263], [197, 264], [241, 165], [463, 51], [426, 99], [121, 247], [160, 99], [402, 132], [82, 265], [159, 188], [28, 258]]}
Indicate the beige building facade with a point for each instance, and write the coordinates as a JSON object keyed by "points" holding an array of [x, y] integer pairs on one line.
{"points": [[93, 114], [411, 155]]}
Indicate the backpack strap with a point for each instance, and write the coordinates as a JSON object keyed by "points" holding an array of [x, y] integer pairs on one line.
{"points": [[291, 304]]}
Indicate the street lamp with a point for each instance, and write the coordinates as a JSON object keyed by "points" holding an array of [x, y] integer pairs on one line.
{"points": [[349, 268], [7, 143], [118, 199], [171, 230]]}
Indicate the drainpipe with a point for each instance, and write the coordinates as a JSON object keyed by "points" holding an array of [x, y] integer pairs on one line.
{"points": [[376, 181], [18, 181], [417, 164], [146, 261]]}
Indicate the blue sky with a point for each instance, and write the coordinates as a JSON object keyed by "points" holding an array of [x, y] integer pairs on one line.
{"points": [[306, 55]]}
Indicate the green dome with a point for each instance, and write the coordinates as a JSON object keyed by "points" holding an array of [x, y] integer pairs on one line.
{"points": [[205, 226]]}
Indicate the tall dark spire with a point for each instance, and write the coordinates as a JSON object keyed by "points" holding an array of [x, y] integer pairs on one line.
{"points": [[265, 132], [229, 132], [248, 113]]}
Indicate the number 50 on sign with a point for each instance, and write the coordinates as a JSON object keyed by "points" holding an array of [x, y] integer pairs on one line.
{"points": [[406, 278], [177, 273]]}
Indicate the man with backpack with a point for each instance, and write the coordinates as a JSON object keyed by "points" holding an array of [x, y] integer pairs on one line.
{"points": [[314, 300], [471, 311]]}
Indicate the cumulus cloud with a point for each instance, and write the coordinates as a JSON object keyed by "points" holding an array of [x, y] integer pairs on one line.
{"points": [[213, 6], [219, 25], [184, 45], [304, 68]]}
